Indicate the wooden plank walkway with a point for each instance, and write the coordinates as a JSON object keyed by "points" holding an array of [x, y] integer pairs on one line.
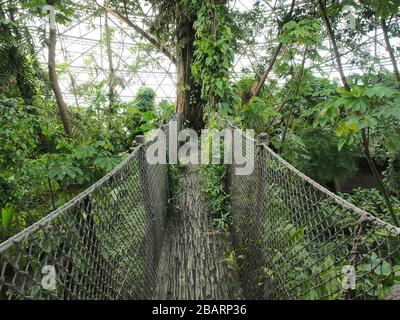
{"points": [[192, 264]]}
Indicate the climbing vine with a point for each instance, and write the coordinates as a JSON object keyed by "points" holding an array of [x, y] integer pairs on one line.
{"points": [[213, 56], [214, 188]]}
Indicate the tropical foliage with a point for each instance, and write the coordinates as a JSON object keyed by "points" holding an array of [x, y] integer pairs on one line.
{"points": [[329, 104]]}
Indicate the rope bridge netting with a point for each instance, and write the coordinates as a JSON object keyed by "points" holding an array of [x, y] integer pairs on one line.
{"points": [[294, 239], [300, 241], [104, 244]]}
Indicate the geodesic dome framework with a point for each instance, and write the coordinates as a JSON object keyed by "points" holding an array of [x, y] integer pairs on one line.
{"points": [[83, 63]]}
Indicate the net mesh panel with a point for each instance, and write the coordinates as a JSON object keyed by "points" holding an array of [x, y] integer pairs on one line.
{"points": [[300, 241], [104, 244]]}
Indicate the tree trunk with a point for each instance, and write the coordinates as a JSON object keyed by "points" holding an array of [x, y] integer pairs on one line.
{"points": [[299, 80], [188, 92], [255, 91], [111, 71], [338, 186], [378, 178], [390, 49], [158, 45], [332, 39], [259, 84], [55, 85]]}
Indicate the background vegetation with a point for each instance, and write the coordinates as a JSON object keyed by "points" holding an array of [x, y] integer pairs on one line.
{"points": [[328, 129]]}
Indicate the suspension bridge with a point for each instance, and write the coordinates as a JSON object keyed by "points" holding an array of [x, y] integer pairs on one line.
{"points": [[121, 239]]}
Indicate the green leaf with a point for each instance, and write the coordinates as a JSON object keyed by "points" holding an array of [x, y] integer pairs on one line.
{"points": [[6, 218], [84, 152], [377, 265], [63, 168], [348, 127], [148, 116], [341, 143], [357, 104], [372, 122], [357, 92], [384, 8], [392, 110], [132, 111], [347, 139], [381, 92], [107, 163], [392, 142]]}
